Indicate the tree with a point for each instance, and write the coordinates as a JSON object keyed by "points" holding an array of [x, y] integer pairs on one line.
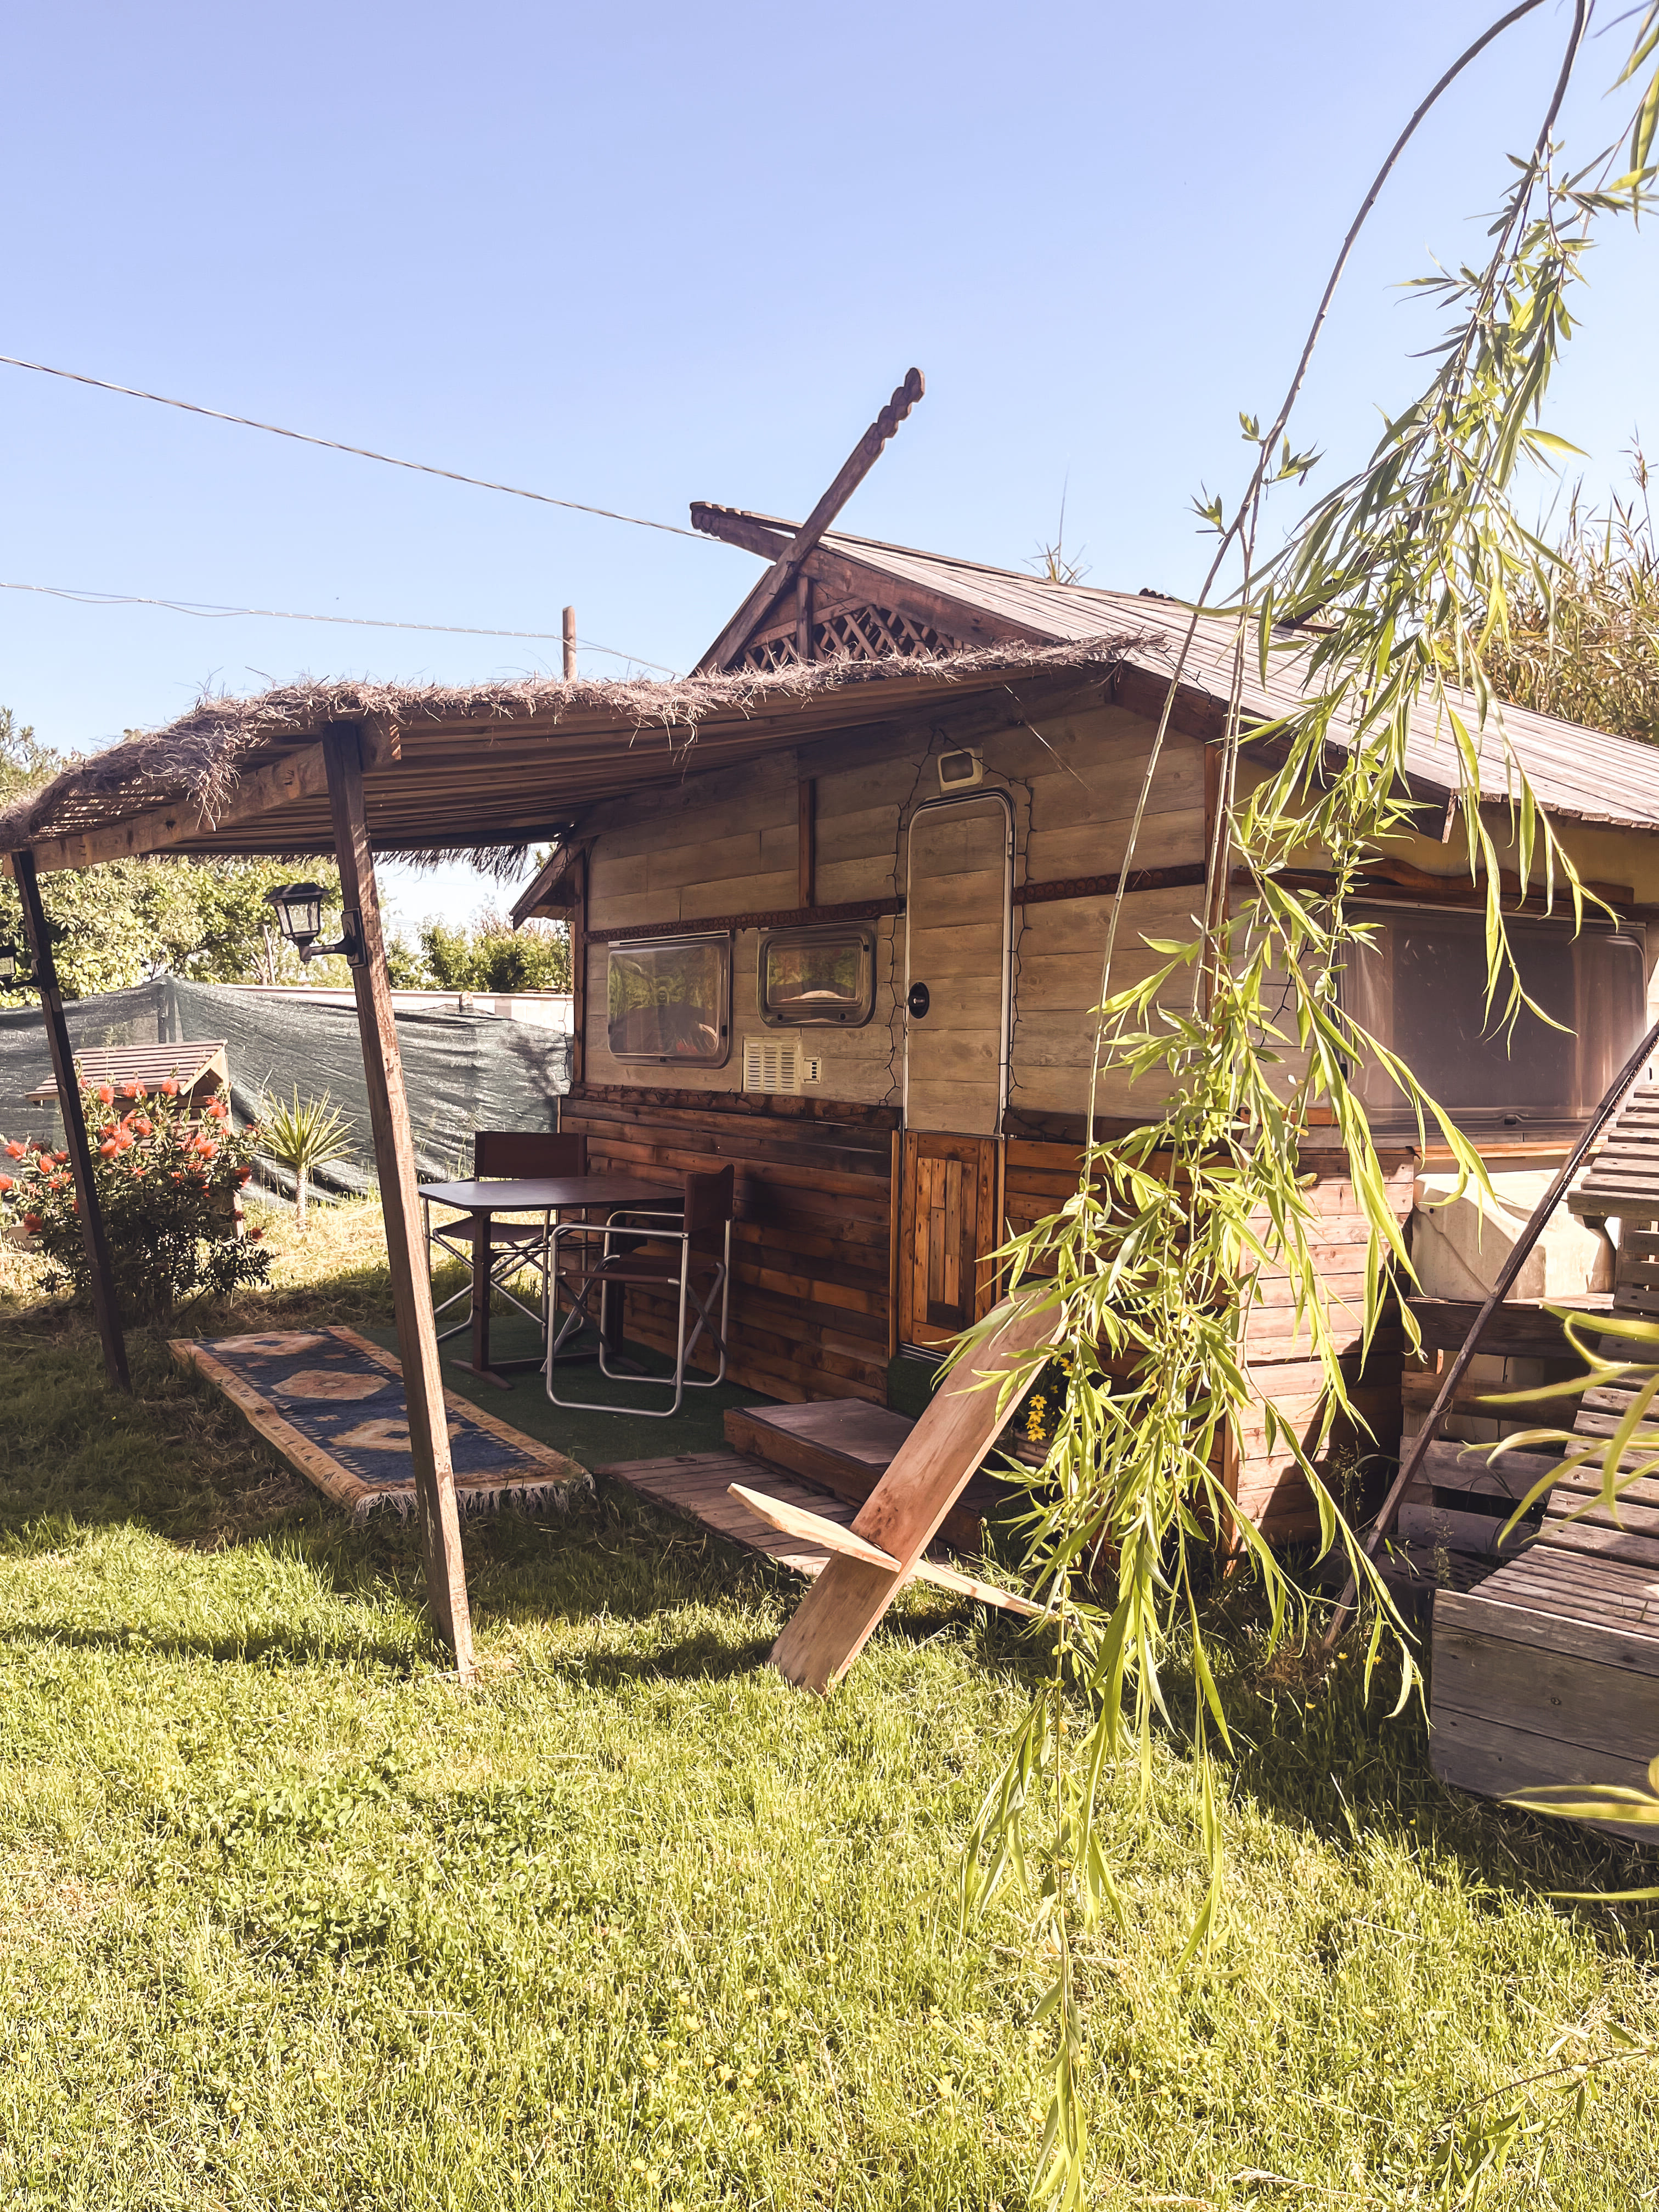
{"points": [[492, 956]]}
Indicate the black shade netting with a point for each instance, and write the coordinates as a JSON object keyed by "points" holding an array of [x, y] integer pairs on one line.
{"points": [[462, 1070]]}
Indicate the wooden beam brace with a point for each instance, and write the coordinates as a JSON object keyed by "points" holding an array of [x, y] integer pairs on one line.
{"points": [[92, 1232], [782, 572], [406, 1235], [298, 775]]}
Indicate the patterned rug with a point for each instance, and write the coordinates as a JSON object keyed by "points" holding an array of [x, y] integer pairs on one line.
{"points": [[331, 1403]]}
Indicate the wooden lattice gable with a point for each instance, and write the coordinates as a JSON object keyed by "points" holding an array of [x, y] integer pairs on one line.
{"points": [[848, 628], [842, 607]]}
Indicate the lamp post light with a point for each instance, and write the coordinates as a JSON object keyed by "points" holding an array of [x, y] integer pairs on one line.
{"points": [[300, 917]]}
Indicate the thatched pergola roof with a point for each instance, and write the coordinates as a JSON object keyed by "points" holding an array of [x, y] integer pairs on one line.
{"points": [[490, 768]]}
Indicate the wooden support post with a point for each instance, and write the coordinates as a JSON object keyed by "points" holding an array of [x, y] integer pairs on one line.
{"points": [[394, 1158], [569, 628], [804, 618], [806, 819], [579, 971], [104, 1303]]}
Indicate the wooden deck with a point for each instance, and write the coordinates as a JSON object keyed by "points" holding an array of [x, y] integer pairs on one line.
{"points": [[696, 1486]]}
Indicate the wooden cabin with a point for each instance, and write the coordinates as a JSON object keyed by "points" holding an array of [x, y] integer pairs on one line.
{"points": [[862, 964]]}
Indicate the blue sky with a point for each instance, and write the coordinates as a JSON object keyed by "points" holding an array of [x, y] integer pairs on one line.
{"points": [[637, 257]]}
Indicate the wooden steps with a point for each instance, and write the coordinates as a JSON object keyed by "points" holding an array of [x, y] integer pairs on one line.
{"points": [[1546, 1671], [845, 1447]]}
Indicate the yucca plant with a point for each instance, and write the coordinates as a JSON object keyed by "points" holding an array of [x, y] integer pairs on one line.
{"points": [[305, 1134]]}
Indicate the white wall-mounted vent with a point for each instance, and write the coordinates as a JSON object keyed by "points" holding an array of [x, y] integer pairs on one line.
{"points": [[961, 771], [771, 1063]]}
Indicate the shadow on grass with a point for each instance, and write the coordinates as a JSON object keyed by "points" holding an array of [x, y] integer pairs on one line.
{"points": [[1311, 1747]]}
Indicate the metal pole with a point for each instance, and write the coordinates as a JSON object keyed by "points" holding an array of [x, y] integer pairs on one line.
{"points": [[104, 1303], [1507, 1275], [570, 645]]}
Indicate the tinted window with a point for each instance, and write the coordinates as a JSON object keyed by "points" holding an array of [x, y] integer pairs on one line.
{"points": [[668, 999]]}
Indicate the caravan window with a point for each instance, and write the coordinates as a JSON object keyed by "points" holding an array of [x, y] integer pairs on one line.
{"points": [[669, 998], [1420, 988], [808, 975]]}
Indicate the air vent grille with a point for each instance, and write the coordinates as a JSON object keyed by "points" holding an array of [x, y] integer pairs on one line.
{"points": [[771, 1064]]}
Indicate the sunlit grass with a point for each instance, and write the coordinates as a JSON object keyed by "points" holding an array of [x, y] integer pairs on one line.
{"points": [[287, 1919]]}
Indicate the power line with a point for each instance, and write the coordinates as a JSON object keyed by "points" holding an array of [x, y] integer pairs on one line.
{"points": [[337, 446], [209, 611]]}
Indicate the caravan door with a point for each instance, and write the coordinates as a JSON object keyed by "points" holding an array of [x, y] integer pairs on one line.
{"points": [[958, 908]]}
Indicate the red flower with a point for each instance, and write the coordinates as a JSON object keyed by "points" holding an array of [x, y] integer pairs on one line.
{"points": [[170, 1089], [129, 1090], [206, 1147], [254, 1235], [145, 1129], [32, 1224], [109, 1148], [244, 1174], [8, 1182], [107, 1094], [14, 1150], [62, 1159]]}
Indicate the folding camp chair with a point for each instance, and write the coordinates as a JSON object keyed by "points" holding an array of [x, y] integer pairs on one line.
{"points": [[678, 1251], [514, 1245]]}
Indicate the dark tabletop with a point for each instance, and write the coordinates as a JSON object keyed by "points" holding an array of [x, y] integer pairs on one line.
{"points": [[550, 1194]]}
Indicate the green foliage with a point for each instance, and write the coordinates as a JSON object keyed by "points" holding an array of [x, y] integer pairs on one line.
{"points": [[166, 1185], [492, 956], [126, 921], [1384, 600], [305, 1135], [291, 1922], [1582, 639]]}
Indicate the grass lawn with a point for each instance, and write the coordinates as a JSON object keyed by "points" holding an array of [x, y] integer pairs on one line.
{"points": [[288, 1920]]}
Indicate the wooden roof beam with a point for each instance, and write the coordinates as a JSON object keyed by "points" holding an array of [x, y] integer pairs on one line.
{"points": [[783, 572]]}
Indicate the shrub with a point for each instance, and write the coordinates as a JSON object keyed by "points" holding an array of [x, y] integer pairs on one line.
{"points": [[306, 1136], [167, 1186]]}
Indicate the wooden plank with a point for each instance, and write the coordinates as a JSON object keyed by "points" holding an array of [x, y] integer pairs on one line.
{"points": [[1505, 1608], [946, 1447], [94, 1236], [406, 1248], [794, 1520], [1495, 1759]]}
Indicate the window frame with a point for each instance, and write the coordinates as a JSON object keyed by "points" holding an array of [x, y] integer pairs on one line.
{"points": [[823, 933], [1495, 1122], [674, 940]]}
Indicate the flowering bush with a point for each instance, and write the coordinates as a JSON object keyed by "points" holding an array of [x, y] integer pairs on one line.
{"points": [[167, 1184]]}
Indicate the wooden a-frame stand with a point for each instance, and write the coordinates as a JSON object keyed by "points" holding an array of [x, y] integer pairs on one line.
{"points": [[904, 1513]]}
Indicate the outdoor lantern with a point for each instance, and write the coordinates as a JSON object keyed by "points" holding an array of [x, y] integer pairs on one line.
{"points": [[8, 964], [300, 917]]}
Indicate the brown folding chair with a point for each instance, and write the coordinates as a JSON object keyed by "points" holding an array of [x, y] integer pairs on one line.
{"points": [[515, 1244], [679, 1251]]}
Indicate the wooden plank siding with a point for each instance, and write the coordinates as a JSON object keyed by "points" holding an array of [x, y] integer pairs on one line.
{"points": [[810, 1295], [1039, 1176]]}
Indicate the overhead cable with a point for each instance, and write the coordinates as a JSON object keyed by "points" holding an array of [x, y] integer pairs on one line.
{"points": [[209, 611], [338, 446]]}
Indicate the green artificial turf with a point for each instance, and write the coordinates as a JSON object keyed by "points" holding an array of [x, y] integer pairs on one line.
{"points": [[591, 1438], [288, 1920]]}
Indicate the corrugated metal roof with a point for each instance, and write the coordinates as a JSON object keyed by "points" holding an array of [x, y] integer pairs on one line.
{"points": [[1582, 774]]}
